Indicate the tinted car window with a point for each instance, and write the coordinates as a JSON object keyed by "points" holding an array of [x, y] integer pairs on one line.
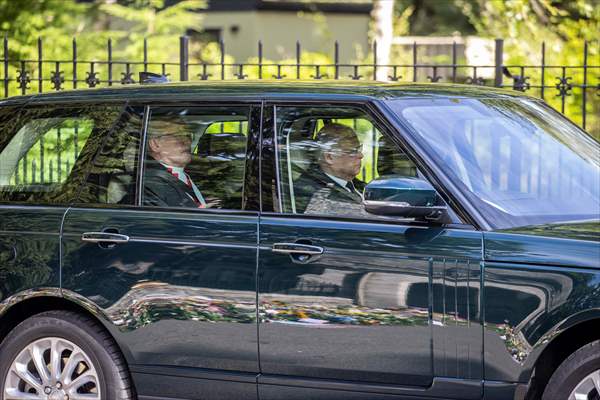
{"points": [[519, 161], [49, 150], [195, 157], [327, 156]]}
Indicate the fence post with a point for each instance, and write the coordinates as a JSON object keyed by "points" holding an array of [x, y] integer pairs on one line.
{"points": [[336, 59], [298, 59], [454, 62], [145, 54], [40, 73], [584, 86], [543, 84], [260, 59], [183, 57], [222, 51], [499, 55], [5, 55], [374, 60], [414, 61], [74, 63], [110, 62]]}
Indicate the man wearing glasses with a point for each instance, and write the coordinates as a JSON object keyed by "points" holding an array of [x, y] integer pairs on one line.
{"points": [[333, 184], [166, 183]]}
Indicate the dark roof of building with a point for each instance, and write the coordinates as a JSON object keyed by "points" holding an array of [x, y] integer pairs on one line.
{"points": [[275, 89]]}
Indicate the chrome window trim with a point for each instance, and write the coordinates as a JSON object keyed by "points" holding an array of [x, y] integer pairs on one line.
{"points": [[141, 157], [276, 151]]}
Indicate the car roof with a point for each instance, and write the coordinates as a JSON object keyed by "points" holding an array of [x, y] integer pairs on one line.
{"points": [[268, 89]]}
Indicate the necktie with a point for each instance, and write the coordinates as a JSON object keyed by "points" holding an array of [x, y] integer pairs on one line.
{"points": [[185, 178], [352, 188]]}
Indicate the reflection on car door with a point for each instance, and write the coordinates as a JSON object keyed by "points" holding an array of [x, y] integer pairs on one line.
{"points": [[377, 307], [177, 284]]}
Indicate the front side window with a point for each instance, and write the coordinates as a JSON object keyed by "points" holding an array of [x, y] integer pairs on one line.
{"points": [[335, 161], [195, 157], [518, 161], [49, 152]]}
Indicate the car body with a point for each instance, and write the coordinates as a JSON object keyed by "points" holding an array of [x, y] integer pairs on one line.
{"points": [[209, 303]]}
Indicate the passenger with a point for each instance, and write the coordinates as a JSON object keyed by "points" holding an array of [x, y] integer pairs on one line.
{"points": [[166, 183], [333, 183]]}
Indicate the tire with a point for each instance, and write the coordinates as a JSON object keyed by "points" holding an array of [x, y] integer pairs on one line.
{"points": [[578, 371], [89, 362]]}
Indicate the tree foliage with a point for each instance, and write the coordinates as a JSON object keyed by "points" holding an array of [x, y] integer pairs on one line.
{"points": [[564, 25], [132, 21], [127, 22]]}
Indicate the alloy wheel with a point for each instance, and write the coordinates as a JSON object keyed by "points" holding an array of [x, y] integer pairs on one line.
{"points": [[588, 388], [52, 368]]}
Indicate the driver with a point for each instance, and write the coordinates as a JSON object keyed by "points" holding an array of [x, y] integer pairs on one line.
{"points": [[333, 182]]}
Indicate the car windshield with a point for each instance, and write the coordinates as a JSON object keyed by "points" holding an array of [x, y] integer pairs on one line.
{"points": [[519, 161]]}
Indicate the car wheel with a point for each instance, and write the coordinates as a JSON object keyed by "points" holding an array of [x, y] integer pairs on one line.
{"points": [[578, 377], [62, 355]]}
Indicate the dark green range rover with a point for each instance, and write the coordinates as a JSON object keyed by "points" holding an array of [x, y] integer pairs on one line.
{"points": [[268, 240]]}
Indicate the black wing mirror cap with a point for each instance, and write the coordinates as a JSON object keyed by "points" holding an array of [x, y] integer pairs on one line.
{"points": [[403, 196]]}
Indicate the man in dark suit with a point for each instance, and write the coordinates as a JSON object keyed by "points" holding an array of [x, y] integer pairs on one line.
{"points": [[332, 183], [166, 183]]}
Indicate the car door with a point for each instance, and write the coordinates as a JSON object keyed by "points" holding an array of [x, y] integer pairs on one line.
{"points": [[349, 301], [175, 279], [43, 148]]}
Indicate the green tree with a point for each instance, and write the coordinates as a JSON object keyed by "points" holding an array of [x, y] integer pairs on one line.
{"points": [[132, 21], [564, 25], [126, 22]]}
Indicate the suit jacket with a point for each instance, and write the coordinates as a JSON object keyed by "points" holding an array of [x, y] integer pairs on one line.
{"points": [[162, 189], [316, 186]]}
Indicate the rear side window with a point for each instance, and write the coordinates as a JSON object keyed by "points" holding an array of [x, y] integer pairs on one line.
{"points": [[47, 152], [195, 157]]}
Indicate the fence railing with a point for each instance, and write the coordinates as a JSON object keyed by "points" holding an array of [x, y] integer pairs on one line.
{"points": [[558, 84]]}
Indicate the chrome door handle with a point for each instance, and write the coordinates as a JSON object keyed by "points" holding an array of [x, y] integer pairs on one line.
{"points": [[297, 248], [104, 237]]}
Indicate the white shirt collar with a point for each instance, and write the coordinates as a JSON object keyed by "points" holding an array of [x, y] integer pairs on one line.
{"points": [[178, 170], [339, 181]]}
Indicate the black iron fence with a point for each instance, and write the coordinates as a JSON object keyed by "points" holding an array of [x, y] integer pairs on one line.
{"points": [[568, 88]]}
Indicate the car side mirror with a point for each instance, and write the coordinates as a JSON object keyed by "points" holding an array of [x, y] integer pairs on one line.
{"points": [[404, 196]]}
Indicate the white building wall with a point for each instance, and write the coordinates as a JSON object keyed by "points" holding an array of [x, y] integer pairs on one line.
{"points": [[279, 32]]}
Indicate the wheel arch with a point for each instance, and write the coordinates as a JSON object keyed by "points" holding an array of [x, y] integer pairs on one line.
{"points": [[565, 339], [23, 305]]}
